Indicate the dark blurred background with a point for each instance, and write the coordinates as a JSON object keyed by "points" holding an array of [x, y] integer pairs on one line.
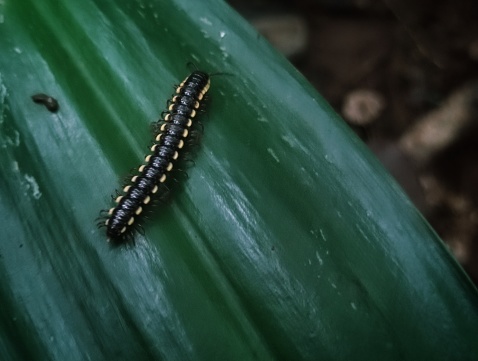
{"points": [[404, 75]]}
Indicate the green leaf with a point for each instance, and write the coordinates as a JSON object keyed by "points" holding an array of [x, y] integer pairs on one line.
{"points": [[287, 241]]}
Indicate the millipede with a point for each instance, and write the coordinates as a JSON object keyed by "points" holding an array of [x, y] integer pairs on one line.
{"points": [[169, 144]]}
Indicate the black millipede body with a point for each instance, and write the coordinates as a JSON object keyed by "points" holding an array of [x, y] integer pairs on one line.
{"points": [[169, 143]]}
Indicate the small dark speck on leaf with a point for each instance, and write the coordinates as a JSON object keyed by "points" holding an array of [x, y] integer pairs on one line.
{"points": [[48, 101]]}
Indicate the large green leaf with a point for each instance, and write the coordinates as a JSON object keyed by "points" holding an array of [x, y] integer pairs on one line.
{"points": [[288, 240]]}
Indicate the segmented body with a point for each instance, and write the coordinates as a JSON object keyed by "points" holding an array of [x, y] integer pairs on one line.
{"points": [[168, 145]]}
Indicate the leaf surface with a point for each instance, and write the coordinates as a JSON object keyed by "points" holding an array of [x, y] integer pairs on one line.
{"points": [[287, 241]]}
